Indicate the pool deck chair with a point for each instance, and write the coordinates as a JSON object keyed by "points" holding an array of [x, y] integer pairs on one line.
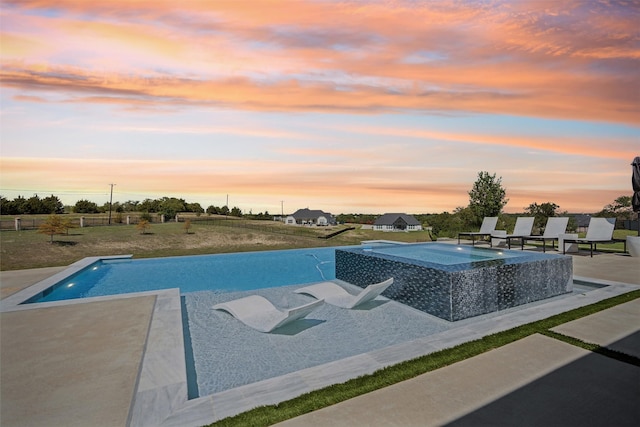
{"points": [[486, 229], [334, 294], [600, 231], [523, 227], [258, 313], [554, 228]]}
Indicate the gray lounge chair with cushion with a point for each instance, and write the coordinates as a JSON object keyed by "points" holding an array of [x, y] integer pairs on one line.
{"points": [[554, 228], [258, 313], [486, 229], [523, 227], [335, 294], [600, 231]]}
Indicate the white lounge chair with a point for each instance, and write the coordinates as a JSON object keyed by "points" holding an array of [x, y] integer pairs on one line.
{"points": [[486, 229], [334, 294], [523, 227], [556, 226], [260, 314], [600, 231]]}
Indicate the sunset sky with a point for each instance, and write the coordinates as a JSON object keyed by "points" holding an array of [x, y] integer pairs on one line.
{"points": [[362, 106]]}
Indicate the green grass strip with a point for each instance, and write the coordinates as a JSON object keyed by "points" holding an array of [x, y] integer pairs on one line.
{"points": [[317, 399], [617, 355]]}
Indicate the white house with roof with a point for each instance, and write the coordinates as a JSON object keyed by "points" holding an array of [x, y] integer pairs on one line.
{"points": [[397, 222], [310, 217]]}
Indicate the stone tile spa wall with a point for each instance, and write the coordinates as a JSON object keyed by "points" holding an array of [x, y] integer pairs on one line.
{"points": [[455, 292]]}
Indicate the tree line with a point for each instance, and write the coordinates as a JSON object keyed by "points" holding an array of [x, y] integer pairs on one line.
{"points": [[168, 206], [487, 198], [33, 205]]}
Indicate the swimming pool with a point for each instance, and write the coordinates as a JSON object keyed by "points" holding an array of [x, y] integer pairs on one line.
{"points": [[222, 273]]}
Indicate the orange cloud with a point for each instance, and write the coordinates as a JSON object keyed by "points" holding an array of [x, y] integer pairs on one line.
{"points": [[242, 93], [316, 56], [591, 147]]}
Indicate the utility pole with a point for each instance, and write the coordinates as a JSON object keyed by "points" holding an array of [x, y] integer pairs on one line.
{"points": [[282, 210], [110, 202]]}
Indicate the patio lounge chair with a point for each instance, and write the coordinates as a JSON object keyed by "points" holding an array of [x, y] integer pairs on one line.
{"points": [[260, 314], [486, 229], [335, 294], [555, 226], [600, 231], [523, 227]]}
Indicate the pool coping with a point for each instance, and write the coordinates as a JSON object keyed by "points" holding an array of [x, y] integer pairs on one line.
{"points": [[161, 391]]}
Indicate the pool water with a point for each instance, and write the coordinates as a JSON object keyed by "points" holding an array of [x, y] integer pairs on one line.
{"points": [[445, 254], [223, 272]]}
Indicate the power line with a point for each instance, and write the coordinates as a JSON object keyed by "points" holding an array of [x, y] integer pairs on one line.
{"points": [[53, 191]]}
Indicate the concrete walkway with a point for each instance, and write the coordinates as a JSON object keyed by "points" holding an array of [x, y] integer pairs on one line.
{"points": [[537, 381], [81, 364]]}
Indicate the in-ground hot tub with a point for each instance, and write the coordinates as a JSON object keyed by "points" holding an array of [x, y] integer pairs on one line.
{"points": [[455, 282]]}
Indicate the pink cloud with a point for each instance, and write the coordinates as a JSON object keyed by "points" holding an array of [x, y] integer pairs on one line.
{"points": [[309, 56]]}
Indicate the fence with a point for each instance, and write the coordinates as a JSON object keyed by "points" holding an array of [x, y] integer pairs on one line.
{"points": [[94, 221], [76, 222]]}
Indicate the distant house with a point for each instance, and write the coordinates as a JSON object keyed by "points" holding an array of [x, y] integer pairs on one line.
{"points": [[397, 222], [582, 222], [310, 217]]}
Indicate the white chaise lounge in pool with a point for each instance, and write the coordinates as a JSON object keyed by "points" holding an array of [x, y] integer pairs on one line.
{"points": [[260, 314], [334, 294]]}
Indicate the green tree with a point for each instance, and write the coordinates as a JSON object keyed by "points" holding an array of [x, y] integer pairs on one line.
{"points": [[85, 206], [149, 205], [34, 205], [146, 216], [170, 206], [620, 208], [19, 205], [541, 212], [52, 205], [194, 207], [130, 206], [5, 206], [236, 211], [487, 197]]}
